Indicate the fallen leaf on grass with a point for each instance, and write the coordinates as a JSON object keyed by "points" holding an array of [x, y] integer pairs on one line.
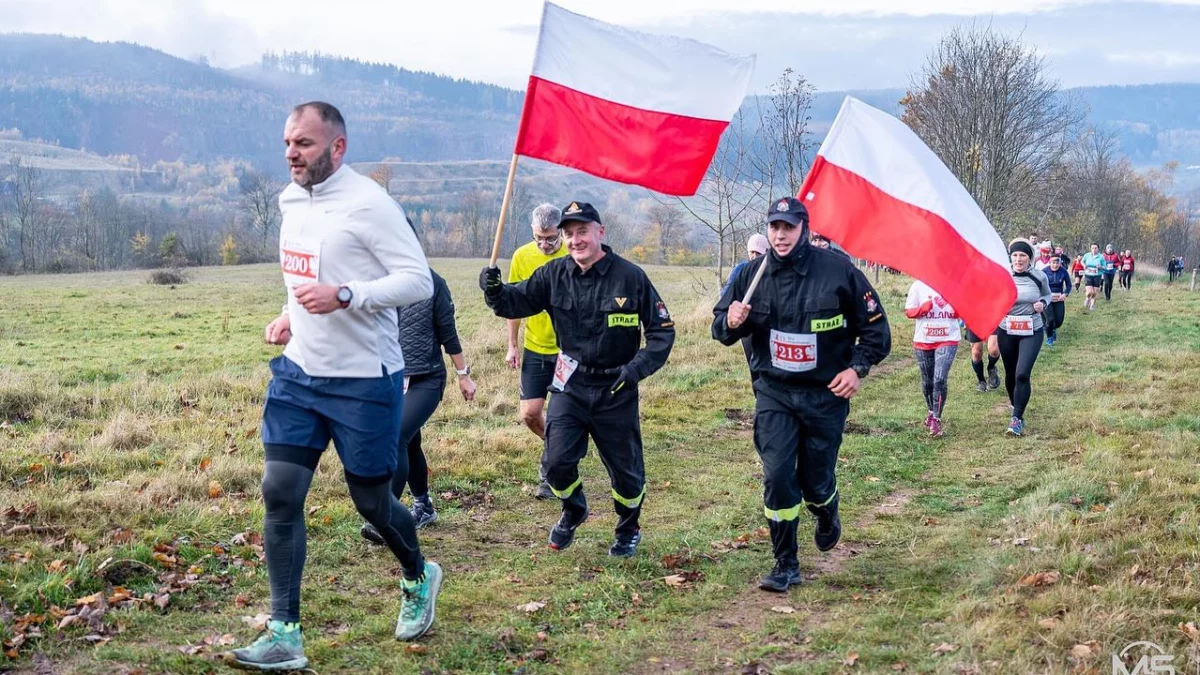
{"points": [[256, 622], [1040, 579], [192, 650], [1085, 651], [1050, 623], [900, 666], [416, 648], [673, 561], [214, 489], [531, 607], [1099, 508], [1191, 630], [204, 464], [1020, 541], [872, 479], [784, 609], [851, 659], [944, 648], [1076, 500], [56, 566], [313, 511], [218, 640]]}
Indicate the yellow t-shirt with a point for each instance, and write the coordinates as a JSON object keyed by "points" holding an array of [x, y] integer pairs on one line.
{"points": [[539, 332]]}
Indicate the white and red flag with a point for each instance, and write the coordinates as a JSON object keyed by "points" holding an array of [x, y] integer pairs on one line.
{"points": [[631, 107], [878, 191]]}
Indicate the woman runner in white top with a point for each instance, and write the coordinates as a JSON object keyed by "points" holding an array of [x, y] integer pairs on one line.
{"points": [[935, 343]]}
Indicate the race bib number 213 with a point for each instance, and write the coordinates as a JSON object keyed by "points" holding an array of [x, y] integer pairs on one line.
{"points": [[793, 352]]}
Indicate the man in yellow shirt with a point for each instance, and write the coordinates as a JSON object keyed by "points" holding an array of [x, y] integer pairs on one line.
{"points": [[541, 344]]}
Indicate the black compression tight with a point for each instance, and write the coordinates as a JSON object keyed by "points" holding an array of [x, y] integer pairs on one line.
{"points": [[420, 401], [1019, 353], [286, 480]]}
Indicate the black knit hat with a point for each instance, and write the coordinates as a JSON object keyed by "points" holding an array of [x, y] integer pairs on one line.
{"points": [[1020, 245]]}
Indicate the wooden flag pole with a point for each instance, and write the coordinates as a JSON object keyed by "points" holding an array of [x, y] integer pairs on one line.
{"points": [[508, 186], [755, 280]]}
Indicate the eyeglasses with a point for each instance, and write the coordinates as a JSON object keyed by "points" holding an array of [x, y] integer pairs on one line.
{"points": [[547, 240]]}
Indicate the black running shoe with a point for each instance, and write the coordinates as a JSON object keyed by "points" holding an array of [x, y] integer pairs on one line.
{"points": [[544, 492], [371, 534], [993, 380], [782, 577], [625, 545], [563, 532], [828, 530]]}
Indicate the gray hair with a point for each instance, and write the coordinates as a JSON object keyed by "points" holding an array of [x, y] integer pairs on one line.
{"points": [[546, 217]]}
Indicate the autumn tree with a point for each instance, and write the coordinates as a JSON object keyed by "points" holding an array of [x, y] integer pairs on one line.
{"points": [[986, 104]]}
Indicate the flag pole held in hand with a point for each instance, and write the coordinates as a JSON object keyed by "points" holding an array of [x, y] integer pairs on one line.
{"points": [[508, 186], [754, 281]]}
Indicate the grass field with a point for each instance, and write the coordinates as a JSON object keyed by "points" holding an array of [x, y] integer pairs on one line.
{"points": [[130, 461]]}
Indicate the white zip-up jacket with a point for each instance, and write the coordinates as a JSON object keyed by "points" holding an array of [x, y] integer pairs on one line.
{"points": [[349, 232]]}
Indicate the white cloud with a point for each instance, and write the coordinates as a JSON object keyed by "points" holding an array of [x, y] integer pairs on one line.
{"points": [[848, 43]]}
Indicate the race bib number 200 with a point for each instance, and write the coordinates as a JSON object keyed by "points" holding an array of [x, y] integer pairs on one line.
{"points": [[793, 352], [301, 261]]}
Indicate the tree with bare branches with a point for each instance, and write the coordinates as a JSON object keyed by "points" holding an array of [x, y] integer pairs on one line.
{"points": [[785, 140], [985, 103], [725, 202], [260, 202], [26, 206]]}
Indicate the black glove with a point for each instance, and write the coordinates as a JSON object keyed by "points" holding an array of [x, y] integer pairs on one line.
{"points": [[627, 377], [489, 283]]}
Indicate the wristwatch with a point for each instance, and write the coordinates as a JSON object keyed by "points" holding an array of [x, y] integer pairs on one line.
{"points": [[861, 370], [464, 372], [344, 296]]}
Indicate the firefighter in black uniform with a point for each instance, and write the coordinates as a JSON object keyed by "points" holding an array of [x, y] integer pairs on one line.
{"points": [[600, 305], [816, 328]]}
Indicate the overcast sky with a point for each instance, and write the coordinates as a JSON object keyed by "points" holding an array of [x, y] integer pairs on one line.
{"points": [[837, 44]]}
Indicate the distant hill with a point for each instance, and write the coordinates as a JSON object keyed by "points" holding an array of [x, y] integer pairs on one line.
{"points": [[124, 99], [119, 98]]}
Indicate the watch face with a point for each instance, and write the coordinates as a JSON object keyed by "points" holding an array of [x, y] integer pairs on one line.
{"points": [[344, 294]]}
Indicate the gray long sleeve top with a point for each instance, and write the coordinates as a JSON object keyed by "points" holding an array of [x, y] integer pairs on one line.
{"points": [[1032, 287]]}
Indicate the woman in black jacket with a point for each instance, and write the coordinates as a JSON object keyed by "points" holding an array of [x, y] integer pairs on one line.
{"points": [[426, 328]]}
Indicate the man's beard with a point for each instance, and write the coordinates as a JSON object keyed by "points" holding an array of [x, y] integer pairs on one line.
{"points": [[319, 170]]}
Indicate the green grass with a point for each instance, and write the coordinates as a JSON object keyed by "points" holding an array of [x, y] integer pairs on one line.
{"points": [[132, 451]]}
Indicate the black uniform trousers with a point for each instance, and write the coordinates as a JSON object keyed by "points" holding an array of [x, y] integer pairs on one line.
{"points": [[797, 433], [586, 408]]}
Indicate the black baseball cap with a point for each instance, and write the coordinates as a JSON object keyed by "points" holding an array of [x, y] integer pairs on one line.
{"points": [[580, 211], [789, 210]]}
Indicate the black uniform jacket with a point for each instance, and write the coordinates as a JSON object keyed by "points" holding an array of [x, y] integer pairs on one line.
{"points": [[600, 315], [813, 315]]}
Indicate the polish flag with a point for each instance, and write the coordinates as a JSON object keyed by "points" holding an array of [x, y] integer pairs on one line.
{"points": [[627, 106], [878, 191]]}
